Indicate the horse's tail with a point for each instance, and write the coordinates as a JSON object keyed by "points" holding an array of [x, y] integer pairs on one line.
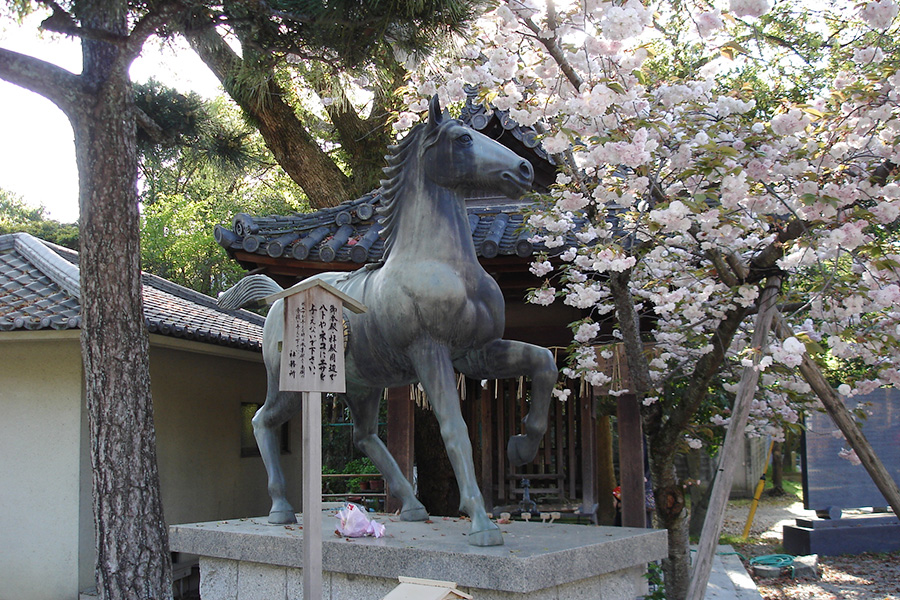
{"points": [[249, 289]]}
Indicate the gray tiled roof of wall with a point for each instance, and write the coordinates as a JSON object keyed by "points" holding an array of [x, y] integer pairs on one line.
{"points": [[39, 290]]}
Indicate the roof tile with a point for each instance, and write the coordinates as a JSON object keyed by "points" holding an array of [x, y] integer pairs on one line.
{"points": [[32, 298]]}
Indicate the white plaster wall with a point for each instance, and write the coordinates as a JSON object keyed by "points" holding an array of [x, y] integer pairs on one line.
{"points": [[41, 432], [197, 402], [46, 518]]}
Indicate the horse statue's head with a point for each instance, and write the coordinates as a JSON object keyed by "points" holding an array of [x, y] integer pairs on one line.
{"points": [[445, 154], [451, 155], [458, 157]]}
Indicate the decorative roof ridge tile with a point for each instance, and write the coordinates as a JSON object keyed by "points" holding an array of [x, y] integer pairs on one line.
{"points": [[43, 255], [498, 229]]}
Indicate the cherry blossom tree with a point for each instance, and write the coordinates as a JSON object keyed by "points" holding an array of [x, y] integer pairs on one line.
{"points": [[713, 146]]}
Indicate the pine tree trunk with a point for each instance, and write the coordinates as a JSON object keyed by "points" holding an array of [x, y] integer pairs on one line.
{"points": [[291, 144], [131, 535]]}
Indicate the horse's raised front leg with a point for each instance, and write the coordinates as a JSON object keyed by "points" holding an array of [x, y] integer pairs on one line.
{"points": [[435, 372], [501, 359], [363, 404], [278, 408]]}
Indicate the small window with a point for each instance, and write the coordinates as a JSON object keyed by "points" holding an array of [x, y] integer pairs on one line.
{"points": [[248, 441]]}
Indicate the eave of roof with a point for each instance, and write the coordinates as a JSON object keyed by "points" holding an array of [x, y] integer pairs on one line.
{"points": [[39, 289], [349, 233]]}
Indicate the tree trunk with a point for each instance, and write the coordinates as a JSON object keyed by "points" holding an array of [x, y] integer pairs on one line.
{"points": [[669, 495], [291, 144], [363, 141], [668, 492], [131, 536]]}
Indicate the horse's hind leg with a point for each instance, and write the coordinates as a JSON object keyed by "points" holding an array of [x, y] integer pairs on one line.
{"points": [[506, 358], [278, 408], [364, 408], [432, 364]]}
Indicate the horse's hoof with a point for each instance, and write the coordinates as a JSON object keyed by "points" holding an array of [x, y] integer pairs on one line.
{"points": [[521, 450], [486, 537], [416, 513], [282, 517]]}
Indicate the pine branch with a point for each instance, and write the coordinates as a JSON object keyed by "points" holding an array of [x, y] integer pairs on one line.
{"points": [[60, 21], [58, 85], [149, 24]]}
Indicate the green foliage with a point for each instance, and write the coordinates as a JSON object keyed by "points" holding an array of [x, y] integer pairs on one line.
{"points": [[181, 117], [207, 167], [17, 9], [359, 465], [352, 31], [654, 576], [200, 141], [16, 216], [177, 241]]}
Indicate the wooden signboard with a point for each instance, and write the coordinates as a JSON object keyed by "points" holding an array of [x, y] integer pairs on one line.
{"points": [[312, 355], [312, 362]]}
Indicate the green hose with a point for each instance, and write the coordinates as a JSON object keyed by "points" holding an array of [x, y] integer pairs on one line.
{"points": [[781, 561]]}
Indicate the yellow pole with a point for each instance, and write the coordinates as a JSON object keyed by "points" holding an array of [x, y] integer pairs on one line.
{"points": [[758, 493]]}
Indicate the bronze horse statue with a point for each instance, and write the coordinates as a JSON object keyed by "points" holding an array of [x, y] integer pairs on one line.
{"points": [[431, 309]]}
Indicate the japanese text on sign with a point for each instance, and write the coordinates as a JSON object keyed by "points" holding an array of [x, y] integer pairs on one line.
{"points": [[312, 353]]}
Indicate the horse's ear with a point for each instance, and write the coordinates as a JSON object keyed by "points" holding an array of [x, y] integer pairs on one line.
{"points": [[435, 116]]}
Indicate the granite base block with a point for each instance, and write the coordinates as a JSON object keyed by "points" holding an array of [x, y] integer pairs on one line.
{"points": [[248, 559], [851, 535]]}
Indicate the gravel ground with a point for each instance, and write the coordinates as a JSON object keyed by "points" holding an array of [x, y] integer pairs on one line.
{"points": [[861, 577]]}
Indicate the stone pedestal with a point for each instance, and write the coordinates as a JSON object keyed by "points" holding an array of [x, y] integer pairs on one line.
{"points": [[851, 535], [249, 559]]}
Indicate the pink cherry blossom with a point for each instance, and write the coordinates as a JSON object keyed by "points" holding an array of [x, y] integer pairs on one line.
{"points": [[750, 8], [879, 14]]}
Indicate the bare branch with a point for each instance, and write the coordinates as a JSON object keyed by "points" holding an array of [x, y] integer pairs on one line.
{"points": [[552, 46], [58, 85], [151, 127]]}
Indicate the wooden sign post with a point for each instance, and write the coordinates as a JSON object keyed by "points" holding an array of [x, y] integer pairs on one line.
{"points": [[312, 362]]}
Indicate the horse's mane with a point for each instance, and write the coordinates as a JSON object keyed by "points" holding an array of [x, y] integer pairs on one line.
{"points": [[401, 157]]}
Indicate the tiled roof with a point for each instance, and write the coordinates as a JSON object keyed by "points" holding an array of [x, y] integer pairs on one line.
{"points": [[350, 233], [39, 289]]}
